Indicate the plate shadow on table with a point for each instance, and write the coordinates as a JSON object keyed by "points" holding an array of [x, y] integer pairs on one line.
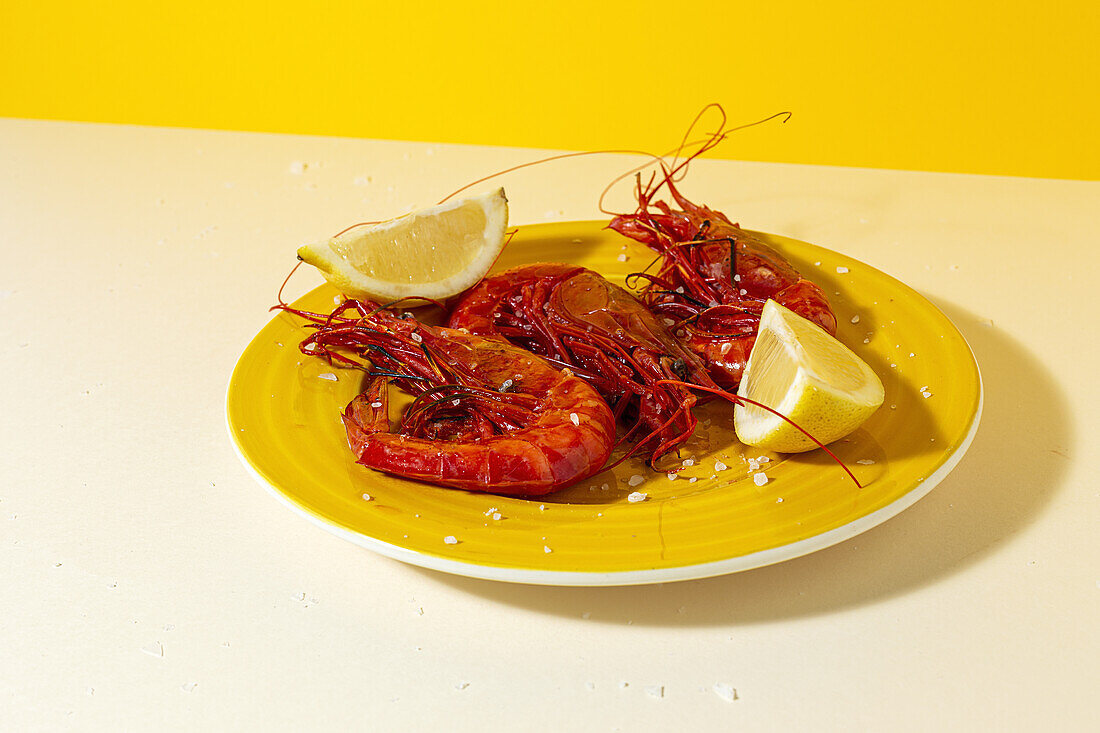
{"points": [[1017, 462]]}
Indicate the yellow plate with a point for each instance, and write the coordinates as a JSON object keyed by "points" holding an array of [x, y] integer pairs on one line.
{"points": [[283, 411]]}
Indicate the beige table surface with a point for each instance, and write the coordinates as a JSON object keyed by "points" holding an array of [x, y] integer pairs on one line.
{"points": [[149, 583]]}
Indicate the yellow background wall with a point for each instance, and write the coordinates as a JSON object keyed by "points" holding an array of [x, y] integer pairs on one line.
{"points": [[981, 87]]}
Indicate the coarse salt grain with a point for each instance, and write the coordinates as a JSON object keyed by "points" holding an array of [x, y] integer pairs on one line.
{"points": [[574, 419], [497, 516], [689, 462], [636, 479], [672, 475], [367, 497], [855, 319], [636, 496], [450, 540], [416, 337], [842, 270], [865, 462], [376, 404], [546, 549], [327, 375], [719, 466], [724, 691], [760, 479], [621, 258]]}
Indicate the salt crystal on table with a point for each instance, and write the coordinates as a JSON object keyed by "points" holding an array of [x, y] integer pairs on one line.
{"points": [[724, 691], [155, 649]]}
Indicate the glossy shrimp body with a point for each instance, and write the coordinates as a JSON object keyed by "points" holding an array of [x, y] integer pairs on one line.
{"points": [[601, 332], [488, 416], [714, 279]]}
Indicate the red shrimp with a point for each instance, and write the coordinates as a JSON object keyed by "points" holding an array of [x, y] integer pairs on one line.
{"points": [[714, 278], [488, 416], [577, 319]]}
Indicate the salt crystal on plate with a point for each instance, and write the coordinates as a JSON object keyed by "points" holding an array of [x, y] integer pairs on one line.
{"points": [[327, 375], [376, 404], [574, 419], [865, 462], [636, 479], [855, 319], [367, 497], [636, 496], [842, 270], [621, 258], [719, 466], [546, 549], [760, 479], [450, 540]]}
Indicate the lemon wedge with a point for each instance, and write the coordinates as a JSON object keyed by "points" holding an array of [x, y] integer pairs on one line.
{"points": [[801, 371], [434, 253]]}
